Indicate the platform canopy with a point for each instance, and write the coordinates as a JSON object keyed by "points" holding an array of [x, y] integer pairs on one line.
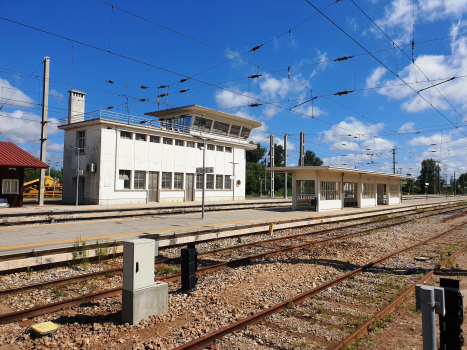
{"points": [[292, 169]]}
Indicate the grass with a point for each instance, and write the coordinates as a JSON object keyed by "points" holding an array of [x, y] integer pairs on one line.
{"points": [[383, 217], [58, 292], [102, 250], [290, 305], [109, 274], [79, 252], [415, 311], [442, 255], [167, 270], [29, 271], [265, 292]]}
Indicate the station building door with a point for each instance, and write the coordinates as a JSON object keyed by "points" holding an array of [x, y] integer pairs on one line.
{"points": [[153, 186], [381, 190], [306, 195], [189, 187], [350, 195]]}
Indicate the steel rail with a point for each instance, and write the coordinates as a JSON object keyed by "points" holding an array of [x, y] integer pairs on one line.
{"points": [[364, 328], [18, 315], [204, 341]]}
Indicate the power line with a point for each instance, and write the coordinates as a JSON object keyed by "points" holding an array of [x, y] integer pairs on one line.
{"points": [[383, 64]]}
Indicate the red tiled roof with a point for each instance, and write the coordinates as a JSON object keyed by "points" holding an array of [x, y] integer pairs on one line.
{"points": [[12, 155]]}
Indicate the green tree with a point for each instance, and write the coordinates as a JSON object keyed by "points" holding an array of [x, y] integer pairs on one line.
{"points": [[311, 159], [429, 174], [462, 181], [254, 172], [33, 174], [255, 155]]}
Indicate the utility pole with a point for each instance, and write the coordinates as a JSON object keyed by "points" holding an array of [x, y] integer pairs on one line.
{"points": [[271, 160], [285, 164], [265, 177], [49, 167], [45, 110], [439, 182], [301, 161], [455, 185], [393, 160]]}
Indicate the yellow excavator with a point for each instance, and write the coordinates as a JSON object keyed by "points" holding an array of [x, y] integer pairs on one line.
{"points": [[51, 188]]}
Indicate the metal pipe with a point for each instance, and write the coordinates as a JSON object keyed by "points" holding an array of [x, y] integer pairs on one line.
{"points": [[204, 177], [427, 297]]}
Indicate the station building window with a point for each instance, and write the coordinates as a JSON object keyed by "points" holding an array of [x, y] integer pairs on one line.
{"points": [[234, 130], [368, 191], [167, 141], [140, 137], [179, 143], [190, 144], [178, 181], [154, 139], [220, 128], [219, 182], [199, 181], [393, 191], [81, 135], [228, 149], [202, 124], [139, 180], [125, 135], [210, 181], [245, 133], [210, 147], [125, 176], [219, 149], [166, 183], [227, 182], [200, 145], [329, 191]]}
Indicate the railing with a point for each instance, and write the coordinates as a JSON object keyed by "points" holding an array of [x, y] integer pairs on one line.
{"points": [[147, 122]]}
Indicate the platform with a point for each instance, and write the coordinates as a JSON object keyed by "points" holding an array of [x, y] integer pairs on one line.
{"points": [[46, 236]]}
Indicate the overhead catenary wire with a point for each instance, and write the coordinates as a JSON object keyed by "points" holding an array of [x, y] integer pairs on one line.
{"points": [[385, 66]]}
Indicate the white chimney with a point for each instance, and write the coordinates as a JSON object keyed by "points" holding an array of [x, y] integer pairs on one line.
{"points": [[75, 106]]}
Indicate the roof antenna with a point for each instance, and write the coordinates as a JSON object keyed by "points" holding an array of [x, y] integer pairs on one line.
{"points": [[71, 78]]}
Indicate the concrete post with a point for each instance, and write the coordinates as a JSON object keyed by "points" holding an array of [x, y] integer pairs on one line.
{"points": [[45, 111], [427, 297], [271, 161], [285, 164]]}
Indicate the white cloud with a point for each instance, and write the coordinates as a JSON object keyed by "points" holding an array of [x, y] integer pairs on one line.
{"points": [[280, 141], [436, 68], [374, 79], [407, 128], [236, 63], [56, 94], [228, 99], [350, 128], [13, 97], [54, 147], [22, 127], [397, 21]]}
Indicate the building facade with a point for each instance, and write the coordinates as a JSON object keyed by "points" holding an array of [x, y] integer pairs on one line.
{"points": [[323, 188], [126, 159]]}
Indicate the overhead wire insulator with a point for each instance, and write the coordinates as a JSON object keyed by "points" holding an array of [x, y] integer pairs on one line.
{"points": [[183, 80], [413, 51], [143, 87], [143, 121], [254, 76], [110, 81], [256, 48], [345, 92], [255, 105], [345, 58], [143, 99], [163, 95], [110, 107], [288, 75], [184, 90], [163, 86]]}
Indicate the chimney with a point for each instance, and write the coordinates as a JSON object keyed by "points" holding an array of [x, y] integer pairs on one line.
{"points": [[75, 106]]}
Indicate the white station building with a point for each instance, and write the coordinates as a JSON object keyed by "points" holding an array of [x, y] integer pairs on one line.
{"points": [[323, 188], [125, 159]]}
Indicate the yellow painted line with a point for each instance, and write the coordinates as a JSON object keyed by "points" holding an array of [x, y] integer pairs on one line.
{"points": [[306, 217], [115, 220], [141, 233]]}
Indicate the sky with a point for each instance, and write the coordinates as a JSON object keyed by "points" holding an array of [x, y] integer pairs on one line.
{"points": [[213, 44]]}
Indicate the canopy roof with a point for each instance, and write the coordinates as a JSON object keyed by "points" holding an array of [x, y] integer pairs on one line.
{"points": [[12, 155], [291, 169]]}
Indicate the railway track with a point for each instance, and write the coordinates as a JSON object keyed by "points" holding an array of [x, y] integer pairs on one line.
{"points": [[289, 305], [27, 313], [262, 243]]}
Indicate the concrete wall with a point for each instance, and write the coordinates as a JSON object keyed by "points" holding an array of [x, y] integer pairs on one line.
{"points": [[89, 186]]}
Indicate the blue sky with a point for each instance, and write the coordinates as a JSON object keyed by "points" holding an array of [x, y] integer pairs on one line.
{"points": [[210, 43]]}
